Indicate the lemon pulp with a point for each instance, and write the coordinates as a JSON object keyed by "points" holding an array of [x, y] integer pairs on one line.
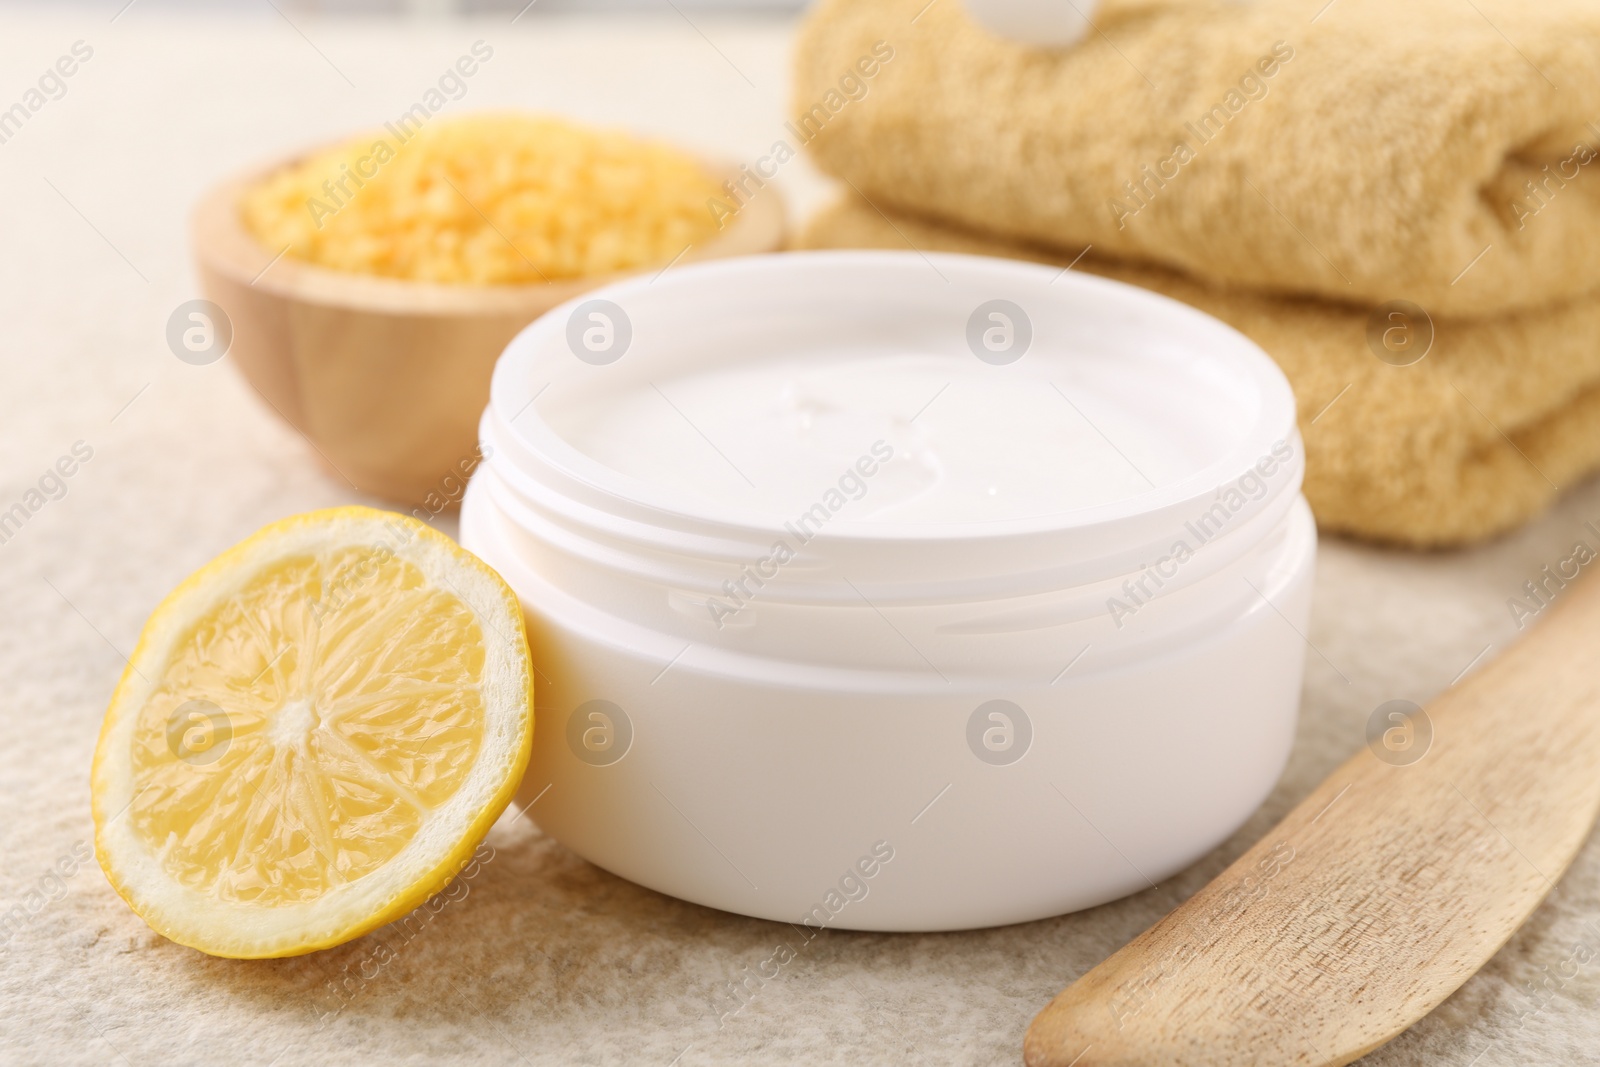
{"points": [[346, 719]]}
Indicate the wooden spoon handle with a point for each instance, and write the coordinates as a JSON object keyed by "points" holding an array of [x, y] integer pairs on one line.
{"points": [[1376, 897]]}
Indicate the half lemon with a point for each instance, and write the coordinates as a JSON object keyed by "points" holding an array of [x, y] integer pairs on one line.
{"points": [[313, 734]]}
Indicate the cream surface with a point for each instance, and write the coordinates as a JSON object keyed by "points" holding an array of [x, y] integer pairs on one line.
{"points": [[902, 437]]}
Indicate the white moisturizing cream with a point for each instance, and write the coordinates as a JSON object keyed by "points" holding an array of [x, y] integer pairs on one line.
{"points": [[994, 569], [954, 439]]}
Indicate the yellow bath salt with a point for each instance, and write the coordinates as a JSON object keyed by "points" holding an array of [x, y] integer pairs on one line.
{"points": [[492, 199]]}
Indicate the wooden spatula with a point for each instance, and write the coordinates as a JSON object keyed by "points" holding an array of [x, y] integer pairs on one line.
{"points": [[1375, 898]]}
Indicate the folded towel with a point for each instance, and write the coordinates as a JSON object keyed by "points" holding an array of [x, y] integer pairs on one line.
{"points": [[1468, 441], [1438, 151]]}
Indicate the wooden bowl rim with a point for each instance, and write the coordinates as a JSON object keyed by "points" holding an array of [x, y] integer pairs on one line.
{"points": [[224, 245]]}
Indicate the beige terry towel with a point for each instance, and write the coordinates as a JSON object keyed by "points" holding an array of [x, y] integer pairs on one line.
{"points": [[1471, 440], [1440, 151]]}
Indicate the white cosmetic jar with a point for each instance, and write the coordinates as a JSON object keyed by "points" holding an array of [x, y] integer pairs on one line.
{"points": [[909, 723]]}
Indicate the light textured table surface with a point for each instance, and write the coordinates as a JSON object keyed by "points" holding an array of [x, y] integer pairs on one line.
{"points": [[546, 960]]}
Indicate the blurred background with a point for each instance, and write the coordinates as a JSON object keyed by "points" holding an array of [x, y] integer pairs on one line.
{"points": [[425, 8]]}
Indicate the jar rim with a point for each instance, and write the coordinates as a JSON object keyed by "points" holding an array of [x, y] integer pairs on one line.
{"points": [[536, 448]]}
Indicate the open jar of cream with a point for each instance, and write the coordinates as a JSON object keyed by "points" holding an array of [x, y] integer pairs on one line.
{"points": [[897, 592]]}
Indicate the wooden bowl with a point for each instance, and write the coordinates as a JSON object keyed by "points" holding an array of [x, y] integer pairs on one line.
{"points": [[387, 378]]}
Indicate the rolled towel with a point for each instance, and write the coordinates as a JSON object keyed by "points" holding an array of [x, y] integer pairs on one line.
{"points": [[1439, 151], [1468, 441]]}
